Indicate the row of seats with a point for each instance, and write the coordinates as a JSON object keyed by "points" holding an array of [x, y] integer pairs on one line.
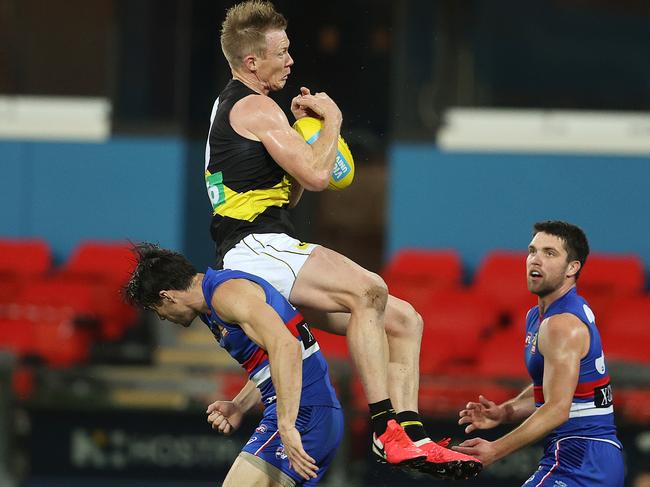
{"points": [[465, 327], [479, 329], [56, 313], [501, 276]]}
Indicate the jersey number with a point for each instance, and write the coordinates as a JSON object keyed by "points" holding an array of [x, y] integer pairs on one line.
{"points": [[308, 338], [603, 396], [214, 185]]}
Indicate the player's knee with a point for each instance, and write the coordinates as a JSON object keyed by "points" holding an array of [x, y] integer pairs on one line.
{"points": [[373, 293], [404, 321]]}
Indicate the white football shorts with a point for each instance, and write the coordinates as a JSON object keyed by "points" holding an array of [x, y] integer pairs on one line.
{"points": [[275, 257]]}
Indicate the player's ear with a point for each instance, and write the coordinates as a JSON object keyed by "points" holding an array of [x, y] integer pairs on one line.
{"points": [[166, 296], [573, 268], [250, 62]]}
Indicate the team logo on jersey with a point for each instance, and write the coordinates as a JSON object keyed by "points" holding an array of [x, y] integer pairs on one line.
{"points": [[261, 428], [218, 330], [529, 338]]}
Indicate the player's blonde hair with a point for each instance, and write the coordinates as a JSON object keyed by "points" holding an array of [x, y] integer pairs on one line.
{"points": [[244, 30]]}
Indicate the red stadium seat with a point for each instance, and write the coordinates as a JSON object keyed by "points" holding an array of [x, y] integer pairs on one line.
{"points": [[502, 355], [88, 301], [605, 279], [454, 323], [414, 275], [30, 257], [332, 346], [105, 267], [633, 404], [446, 397], [112, 261], [17, 335], [21, 261], [57, 341], [626, 337], [501, 276], [612, 274]]}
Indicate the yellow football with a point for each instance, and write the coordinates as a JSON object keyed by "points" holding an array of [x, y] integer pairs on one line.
{"points": [[343, 173]]}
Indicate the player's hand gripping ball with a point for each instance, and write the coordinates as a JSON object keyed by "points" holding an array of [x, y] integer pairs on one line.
{"points": [[343, 174]]}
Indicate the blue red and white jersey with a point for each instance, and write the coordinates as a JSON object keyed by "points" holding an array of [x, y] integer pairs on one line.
{"points": [[317, 389], [592, 408]]}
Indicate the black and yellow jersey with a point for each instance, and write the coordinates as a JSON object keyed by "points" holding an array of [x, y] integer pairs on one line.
{"points": [[248, 190]]}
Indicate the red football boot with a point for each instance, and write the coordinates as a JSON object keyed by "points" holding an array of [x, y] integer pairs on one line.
{"points": [[448, 464], [396, 448]]}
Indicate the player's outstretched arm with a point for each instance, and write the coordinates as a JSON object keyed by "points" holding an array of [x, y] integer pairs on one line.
{"points": [[563, 340], [481, 415], [486, 414], [244, 302]]}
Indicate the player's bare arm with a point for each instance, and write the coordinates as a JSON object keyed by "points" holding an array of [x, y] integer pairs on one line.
{"points": [[563, 340], [226, 416], [258, 117], [486, 414], [520, 407], [244, 302]]}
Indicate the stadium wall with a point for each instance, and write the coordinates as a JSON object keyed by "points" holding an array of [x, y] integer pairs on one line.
{"points": [[65, 192], [475, 202]]}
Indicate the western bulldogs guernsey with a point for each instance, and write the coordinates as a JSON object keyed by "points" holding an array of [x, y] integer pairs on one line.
{"points": [[584, 451], [592, 410], [316, 387]]}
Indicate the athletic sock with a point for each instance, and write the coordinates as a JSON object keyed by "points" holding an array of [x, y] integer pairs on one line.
{"points": [[412, 424], [380, 414]]}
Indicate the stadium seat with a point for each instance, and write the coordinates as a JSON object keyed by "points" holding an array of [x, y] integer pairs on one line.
{"points": [[56, 341], [605, 279], [332, 346], [627, 333], [502, 355], [447, 396], [501, 276], [111, 261], [612, 274], [55, 298], [633, 404], [30, 257], [106, 267], [454, 324], [414, 275], [21, 261]]}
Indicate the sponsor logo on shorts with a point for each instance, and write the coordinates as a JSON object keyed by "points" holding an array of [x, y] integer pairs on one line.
{"points": [[559, 483], [251, 440], [261, 429], [279, 453]]}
